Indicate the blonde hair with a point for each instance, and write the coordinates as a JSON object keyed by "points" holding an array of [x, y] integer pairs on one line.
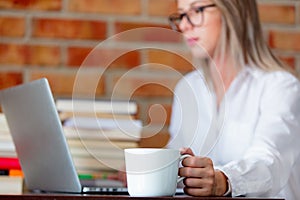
{"points": [[242, 36]]}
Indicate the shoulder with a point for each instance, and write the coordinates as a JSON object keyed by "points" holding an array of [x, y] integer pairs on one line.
{"points": [[282, 77], [275, 79], [278, 87]]}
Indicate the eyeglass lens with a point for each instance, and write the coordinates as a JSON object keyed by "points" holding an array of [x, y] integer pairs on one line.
{"points": [[194, 16]]}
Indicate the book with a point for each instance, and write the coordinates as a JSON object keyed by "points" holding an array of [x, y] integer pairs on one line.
{"points": [[98, 163], [11, 176], [3, 124], [6, 137], [96, 152], [104, 124], [16, 172], [4, 172], [7, 146], [9, 163], [107, 127], [11, 184], [100, 144], [97, 106], [95, 173], [107, 135], [85, 148], [11, 172], [97, 133], [65, 115], [85, 151], [8, 154]]}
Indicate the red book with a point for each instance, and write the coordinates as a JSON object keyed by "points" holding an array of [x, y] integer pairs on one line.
{"points": [[9, 163]]}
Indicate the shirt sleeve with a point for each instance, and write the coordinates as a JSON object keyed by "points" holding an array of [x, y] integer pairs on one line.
{"points": [[266, 166]]}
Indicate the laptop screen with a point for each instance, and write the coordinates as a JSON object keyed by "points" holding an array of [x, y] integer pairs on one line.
{"points": [[38, 137]]}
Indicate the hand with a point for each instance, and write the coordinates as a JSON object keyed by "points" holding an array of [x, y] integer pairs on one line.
{"points": [[201, 178]]}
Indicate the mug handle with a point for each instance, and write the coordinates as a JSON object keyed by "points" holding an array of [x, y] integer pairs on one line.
{"points": [[180, 178]]}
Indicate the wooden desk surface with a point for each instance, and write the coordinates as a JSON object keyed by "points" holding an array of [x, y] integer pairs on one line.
{"points": [[113, 197]]}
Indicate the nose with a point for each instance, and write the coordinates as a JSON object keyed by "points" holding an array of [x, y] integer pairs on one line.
{"points": [[185, 24]]}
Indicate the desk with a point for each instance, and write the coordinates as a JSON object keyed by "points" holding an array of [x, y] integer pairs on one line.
{"points": [[103, 197]]}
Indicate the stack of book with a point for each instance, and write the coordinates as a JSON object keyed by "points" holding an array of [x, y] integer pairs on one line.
{"points": [[97, 133], [7, 147], [11, 176]]}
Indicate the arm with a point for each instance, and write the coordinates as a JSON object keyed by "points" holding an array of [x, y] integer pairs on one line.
{"points": [[266, 166]]}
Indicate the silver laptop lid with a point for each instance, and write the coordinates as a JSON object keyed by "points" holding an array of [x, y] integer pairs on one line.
{"points": [[38, 136]]}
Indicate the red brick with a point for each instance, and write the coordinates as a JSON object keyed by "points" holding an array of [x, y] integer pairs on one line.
{"points": [[9, 79], [277, 13], [298, 14], [102, 57], [290, 61], [31, 55], [41, 55], [159, 115], [69, 29], [31, 4], [12, 54], [116, 7], [12, 26], [144, 85], [285, 40], [161, 8], [76, 55], [151, 35], [180, 61], [62, 83]]}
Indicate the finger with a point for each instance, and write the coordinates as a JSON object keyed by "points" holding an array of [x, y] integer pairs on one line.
{"points": [[197, 162], [190, 172], [197, 191], [185, 150], [199, 183]]}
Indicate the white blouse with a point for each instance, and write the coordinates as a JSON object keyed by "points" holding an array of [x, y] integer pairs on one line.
{"points": [[253, 137]]}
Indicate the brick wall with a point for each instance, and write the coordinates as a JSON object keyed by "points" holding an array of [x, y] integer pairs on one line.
{"points": [[52, 38]]}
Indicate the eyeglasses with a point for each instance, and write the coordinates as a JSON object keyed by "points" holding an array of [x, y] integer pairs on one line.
{"points": [[194, 16]]}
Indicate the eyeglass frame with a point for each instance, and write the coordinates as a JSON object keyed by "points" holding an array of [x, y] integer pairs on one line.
{"points": [[185, 14]]}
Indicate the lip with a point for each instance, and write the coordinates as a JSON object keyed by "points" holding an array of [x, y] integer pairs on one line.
{"points": [[192, 41]]}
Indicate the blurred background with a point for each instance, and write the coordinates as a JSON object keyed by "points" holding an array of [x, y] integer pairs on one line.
{"points": [[51, 38]]}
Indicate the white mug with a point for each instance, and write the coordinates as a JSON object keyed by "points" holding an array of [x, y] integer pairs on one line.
{"points": [[152, 171]]}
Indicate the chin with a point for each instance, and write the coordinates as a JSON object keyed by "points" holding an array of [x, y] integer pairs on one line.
{"points": [[200, 53]]}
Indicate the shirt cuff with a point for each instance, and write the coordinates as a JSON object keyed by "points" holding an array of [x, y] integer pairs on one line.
{"points": [[229, 189]]}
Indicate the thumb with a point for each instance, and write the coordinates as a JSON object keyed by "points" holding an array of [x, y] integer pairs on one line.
{"points": [[185, 150]]}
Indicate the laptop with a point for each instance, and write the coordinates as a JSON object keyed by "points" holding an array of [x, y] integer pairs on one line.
{"points": [[40, 142]]}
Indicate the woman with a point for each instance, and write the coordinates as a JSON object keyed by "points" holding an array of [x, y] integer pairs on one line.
{"points": [[238, 115]]}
